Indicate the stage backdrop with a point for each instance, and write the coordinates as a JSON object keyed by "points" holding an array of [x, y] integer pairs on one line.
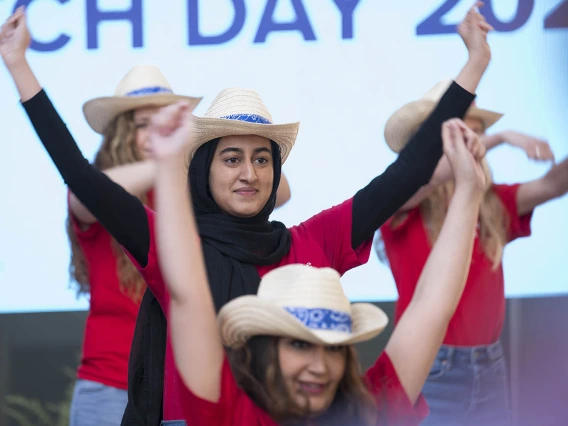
{"points": [[339, 66]]}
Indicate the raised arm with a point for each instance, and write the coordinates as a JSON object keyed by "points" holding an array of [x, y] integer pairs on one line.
{"points": [[387, 193], [420, 331], [121, 213], [198, 350]]}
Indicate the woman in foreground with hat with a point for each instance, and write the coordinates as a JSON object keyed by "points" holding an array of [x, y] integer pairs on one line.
{"points": [[290, 357], [468, 383], [236, 158]]}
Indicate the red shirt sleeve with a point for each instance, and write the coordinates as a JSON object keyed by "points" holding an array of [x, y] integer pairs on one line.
{"points": [[394, 406], [331, 229], [151, 272], [520, 226]]}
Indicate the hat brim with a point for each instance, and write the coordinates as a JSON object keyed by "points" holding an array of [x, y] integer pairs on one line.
{"points": [[206, 129], [404, 123], [250, 316], [99, 112]]}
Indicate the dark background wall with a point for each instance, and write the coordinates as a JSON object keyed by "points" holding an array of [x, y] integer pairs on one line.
{"points": [[36, 350]]}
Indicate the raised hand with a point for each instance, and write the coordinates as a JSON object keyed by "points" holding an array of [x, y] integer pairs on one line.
{"points": [[14, 38], [171, 129], [472, 141], [473, 31], [535, 148], [468, 173]]}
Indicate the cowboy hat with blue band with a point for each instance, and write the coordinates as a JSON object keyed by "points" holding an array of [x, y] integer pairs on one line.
{"points": [[241, 112], [300, 302], [143, 86]]}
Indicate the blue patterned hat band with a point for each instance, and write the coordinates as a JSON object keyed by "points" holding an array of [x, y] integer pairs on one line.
{"points": [[153, 90], [322, 319], [249, 118]]}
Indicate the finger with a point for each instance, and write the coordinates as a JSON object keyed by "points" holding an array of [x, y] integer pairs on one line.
{"points": [[447, 138], [484, 26], [458, 137]]}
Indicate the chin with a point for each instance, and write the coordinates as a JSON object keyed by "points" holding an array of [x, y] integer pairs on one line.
{"points": [[245, 211], [318, 406]]}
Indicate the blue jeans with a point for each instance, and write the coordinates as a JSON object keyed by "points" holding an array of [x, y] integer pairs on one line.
{"points": [[95, 404], [468, 386]]}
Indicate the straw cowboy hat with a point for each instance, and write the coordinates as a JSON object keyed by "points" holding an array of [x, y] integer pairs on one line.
{"points": [[406, 120], [241, 112], [304, 303], [144, 85]]}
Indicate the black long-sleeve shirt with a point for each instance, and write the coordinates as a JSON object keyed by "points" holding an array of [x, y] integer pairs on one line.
{"points": [[123, 215]]}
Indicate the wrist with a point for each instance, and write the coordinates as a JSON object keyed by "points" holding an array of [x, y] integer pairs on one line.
{"points": [[171, 162], [470, 192], [16, 63], [479, 61]]}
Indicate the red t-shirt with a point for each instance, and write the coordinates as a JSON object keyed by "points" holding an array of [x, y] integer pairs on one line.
{"points": [[110, 322], [235, 408], [322, 241], [479, 317]]}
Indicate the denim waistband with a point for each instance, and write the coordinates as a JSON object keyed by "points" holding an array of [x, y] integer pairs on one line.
{"points": [[471, 355]]}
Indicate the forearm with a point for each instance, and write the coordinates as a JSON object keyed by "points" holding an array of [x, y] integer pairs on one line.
{"points": [[136, 178], [24, 79], [177, 234], [471, 74], [195, 335], [443, 277], [491, 141], [387, 193], [420, 331]]}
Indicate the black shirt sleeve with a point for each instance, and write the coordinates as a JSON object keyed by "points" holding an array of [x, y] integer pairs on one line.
{"points": [[121, 213], [414, 167]]}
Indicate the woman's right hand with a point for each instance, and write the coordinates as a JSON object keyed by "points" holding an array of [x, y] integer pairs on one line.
{"points": [[468, 173], [473, 31], [14, 38]]}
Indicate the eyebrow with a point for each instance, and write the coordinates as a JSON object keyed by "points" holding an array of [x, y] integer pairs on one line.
{"points": [[240, 151]]}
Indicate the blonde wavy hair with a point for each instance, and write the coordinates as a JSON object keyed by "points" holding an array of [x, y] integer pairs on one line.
{"points": [[493, 219], [118, 148]]}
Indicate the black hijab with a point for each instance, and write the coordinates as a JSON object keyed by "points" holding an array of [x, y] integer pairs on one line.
{"points": [[232, 249]]}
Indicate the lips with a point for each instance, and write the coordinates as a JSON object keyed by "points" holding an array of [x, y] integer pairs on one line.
{"points": [[312, 388], [247, 192]]}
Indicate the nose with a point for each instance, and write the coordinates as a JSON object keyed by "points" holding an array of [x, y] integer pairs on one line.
{"points": [[318, 365], [248, 172]]}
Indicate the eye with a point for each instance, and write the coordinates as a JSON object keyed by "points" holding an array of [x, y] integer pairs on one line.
{"points": [[335, 348], [141, 125], [231, 160], [300, 344], [262, 160]]}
